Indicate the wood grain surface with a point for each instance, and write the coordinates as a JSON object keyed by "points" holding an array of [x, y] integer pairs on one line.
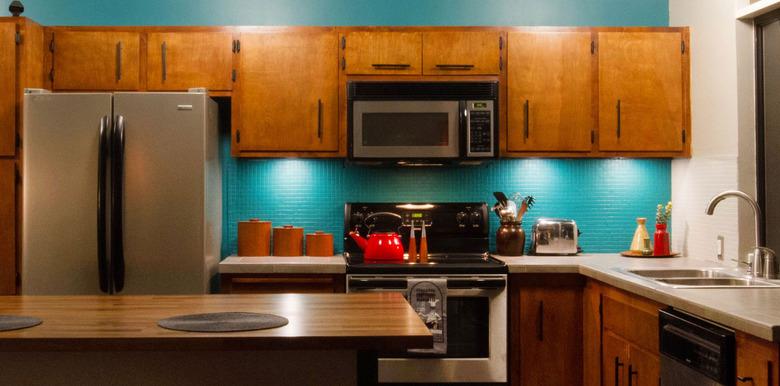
{"points": [[378, 321]]}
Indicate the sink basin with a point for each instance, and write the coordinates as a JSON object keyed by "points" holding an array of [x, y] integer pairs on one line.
{"points": [[680, 273], [717, 282], [698, 278]]}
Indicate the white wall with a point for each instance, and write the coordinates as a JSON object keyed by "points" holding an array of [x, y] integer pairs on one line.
{"points": [[723, 123]]}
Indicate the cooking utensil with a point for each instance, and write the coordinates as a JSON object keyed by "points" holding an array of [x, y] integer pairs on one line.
{"points": [[288, 241], [501, 197]]}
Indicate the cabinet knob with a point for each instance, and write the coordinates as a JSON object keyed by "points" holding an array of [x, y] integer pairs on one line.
{"points": [[745, 379]]}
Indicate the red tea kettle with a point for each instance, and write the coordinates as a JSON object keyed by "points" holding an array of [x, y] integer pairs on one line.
{"points": [[382, 246]]}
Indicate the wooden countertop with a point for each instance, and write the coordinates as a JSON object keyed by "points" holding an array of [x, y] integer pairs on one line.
{"points": [[372, 321]]}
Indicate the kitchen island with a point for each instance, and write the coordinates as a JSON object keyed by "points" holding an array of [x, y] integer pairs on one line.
{"points": [[330, 339]]}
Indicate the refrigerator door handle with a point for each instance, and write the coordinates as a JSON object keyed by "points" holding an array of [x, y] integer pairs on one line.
{"points": [[103, 266], [117, 191]]}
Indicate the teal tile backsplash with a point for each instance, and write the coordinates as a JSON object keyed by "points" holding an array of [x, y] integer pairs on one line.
{"points": [[604, 196]]}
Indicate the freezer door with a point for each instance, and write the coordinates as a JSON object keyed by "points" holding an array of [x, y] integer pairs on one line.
{"points": [[171, 215], [60, 192]]}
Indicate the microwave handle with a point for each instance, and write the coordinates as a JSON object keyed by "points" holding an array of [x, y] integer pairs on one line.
{"points": [[463, 119]]}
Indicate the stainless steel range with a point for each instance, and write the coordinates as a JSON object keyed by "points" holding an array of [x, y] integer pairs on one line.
{"points": [[460, 292]]}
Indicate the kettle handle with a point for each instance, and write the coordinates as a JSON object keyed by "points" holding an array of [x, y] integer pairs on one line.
{"points": [[377, 214]]}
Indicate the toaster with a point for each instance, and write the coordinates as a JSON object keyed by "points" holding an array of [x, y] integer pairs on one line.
{"points": [[554, 236]]}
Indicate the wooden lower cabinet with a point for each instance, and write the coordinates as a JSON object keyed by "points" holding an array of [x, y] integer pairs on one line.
{"points": [[615, 358], [621, 335], [545, 329], [757, 361], [282, 283]]}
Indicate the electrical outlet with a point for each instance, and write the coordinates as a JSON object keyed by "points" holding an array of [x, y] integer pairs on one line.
{"points": [[719, 247]]}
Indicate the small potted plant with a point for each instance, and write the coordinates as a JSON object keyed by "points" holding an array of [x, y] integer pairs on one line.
{"points": [[661, 237]]}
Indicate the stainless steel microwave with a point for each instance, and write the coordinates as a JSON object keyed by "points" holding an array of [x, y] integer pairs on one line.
{"points": [[420, 123]]}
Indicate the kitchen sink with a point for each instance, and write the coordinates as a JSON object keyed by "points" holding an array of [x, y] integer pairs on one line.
{"points": [[678, 273], [720, 282], [699, 278]]}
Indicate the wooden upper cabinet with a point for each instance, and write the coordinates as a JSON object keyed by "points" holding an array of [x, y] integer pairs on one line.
{"points": [[286, 98], [390, 53], [96, 60], [461, 53], [7, 227], [641, 91], [7, 89], [182, 60], [550, 92]]}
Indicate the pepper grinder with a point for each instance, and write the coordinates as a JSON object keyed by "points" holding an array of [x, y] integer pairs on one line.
{"points": [[412, 245], [423, 245]]}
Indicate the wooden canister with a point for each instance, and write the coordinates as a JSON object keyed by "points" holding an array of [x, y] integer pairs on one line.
{"points": [[288, 241], [319, 243], [254, 238]]}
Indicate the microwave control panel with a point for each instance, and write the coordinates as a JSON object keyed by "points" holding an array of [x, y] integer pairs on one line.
{"points": [[479, 133]]}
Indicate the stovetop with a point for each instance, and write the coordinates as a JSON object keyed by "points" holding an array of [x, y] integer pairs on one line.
{"points": [[451, 263], [457, 236]]}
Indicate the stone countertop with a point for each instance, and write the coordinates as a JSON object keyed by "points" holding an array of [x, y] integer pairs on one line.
{"points": [[283, 264], [755, 311]]}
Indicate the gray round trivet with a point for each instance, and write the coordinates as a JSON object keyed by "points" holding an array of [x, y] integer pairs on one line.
{"points": [[12, 322], [223, 322]]}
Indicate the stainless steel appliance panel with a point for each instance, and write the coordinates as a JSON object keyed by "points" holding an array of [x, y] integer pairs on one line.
{"points": [[172, 203], [59, 192], [406, 129], [427, 370]]}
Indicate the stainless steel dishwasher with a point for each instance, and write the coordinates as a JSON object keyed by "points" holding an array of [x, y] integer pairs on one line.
{"points": [[694, 351]]}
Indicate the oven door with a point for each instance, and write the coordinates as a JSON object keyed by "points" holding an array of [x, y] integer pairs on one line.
{"points": [[476, 333], [405, 129]]}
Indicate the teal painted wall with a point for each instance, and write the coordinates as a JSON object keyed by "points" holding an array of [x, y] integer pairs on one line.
{"points": [[349, 12], [604, 196]]}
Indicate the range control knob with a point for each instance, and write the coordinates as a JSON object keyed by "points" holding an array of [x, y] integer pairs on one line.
{"points": [[461, 219], [476, 219]]}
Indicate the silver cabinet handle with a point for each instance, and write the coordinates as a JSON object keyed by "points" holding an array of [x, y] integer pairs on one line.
{"points": [[118, 61], [164, 50]]}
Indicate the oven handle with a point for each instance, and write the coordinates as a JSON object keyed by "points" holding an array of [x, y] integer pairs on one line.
{"points": [[478, 283], [400, 283]]}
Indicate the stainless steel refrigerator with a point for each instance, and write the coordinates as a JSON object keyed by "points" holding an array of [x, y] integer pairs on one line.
{"points": [[121, 193]]}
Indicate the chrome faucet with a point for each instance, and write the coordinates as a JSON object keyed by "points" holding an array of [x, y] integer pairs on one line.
{"points": [[761, 254]]}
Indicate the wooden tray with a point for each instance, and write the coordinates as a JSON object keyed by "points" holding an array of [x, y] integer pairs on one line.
{"points": [[639, 254]]}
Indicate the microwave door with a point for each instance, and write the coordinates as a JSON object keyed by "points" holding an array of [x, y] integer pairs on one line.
{"points": [[405, 129]]}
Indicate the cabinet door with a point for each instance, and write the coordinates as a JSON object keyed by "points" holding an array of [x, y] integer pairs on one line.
{"points": [[550, 92], [96, 60], [615, 360], [393, 53], [287, 92], [461, 53], [182, 60], [641, 91], [757, 361], [550, 336], [7, 227], [643, 367], [7, 89]]}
